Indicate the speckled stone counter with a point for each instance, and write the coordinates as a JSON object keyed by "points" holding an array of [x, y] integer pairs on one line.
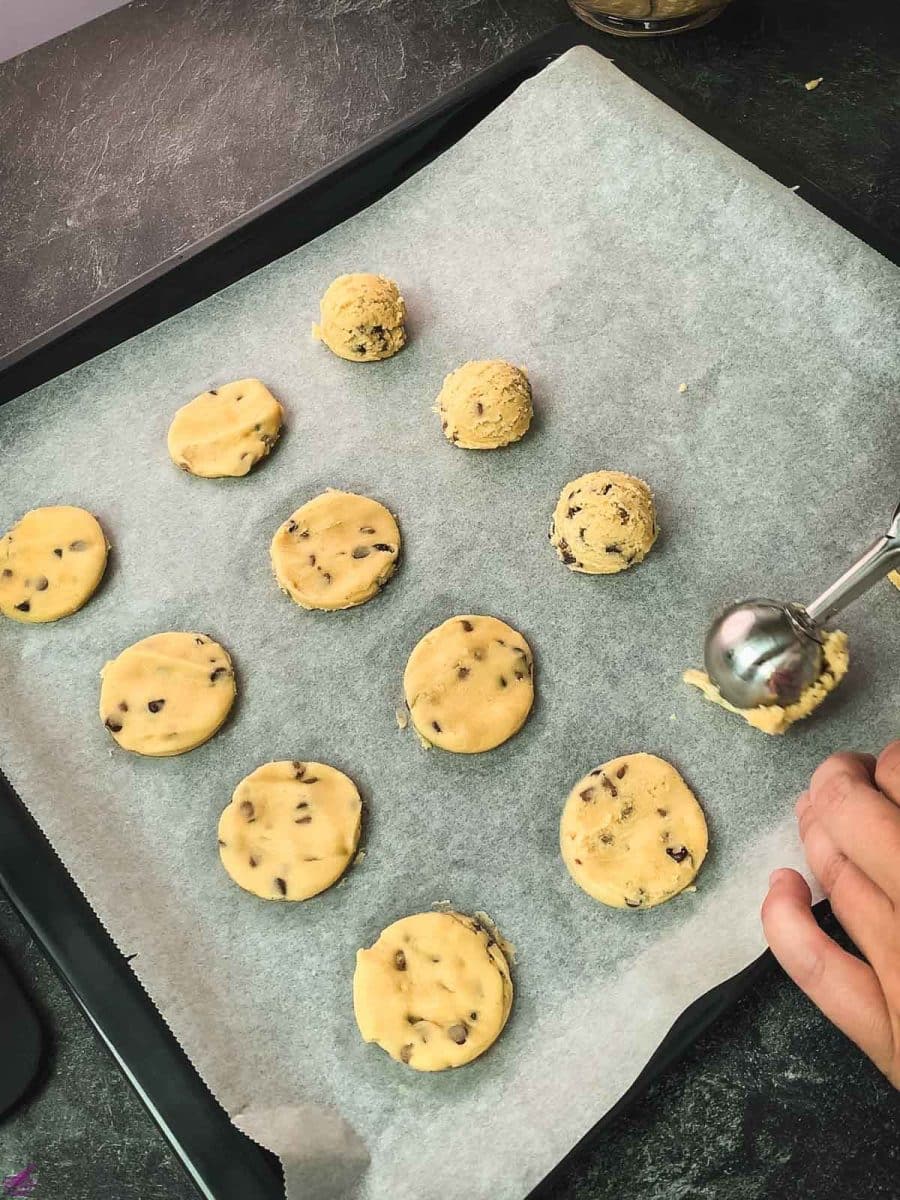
{"points": [[130, 138]]}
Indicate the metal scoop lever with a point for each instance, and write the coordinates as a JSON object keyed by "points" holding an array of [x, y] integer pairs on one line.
{"points": [[767, 651]]}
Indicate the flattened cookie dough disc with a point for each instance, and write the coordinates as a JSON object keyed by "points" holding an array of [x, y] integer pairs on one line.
{"points": [[434, 991], [226, 430], [777, 718], [290, 830], [469, 684], [603, 522], [894, 577], [632, 834], [167, 693], [336, 551], [50, 564], [485, 405], [361, 318]]}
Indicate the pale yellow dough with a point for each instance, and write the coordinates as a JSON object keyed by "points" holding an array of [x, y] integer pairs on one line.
{"points": [[50, 564], [775, 718], [469, 684], [290, 830], [434, 991], [362, 318], [485, 405], [167, 693], [336, 551], [226, 430], [894, 577], [603, 522], [632, 833]]}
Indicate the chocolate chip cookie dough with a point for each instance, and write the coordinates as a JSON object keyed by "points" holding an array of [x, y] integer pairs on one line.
{"points": [[50, 564], [167, 693], [469, 684], [290, 830], [894, 577], [603, 522], [362, 318], [336, 551], [632, 834], [485, 405], [434, 991], [775, 718], [226, 430]]}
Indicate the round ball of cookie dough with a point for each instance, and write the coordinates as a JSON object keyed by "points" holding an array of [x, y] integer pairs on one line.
{"points": [[603, 522], [484, 405], [336, 551], [469, 684], [290, 830], [632, 834], [225, 431], [50, 564], [434, 991], [167, 694], [362, 318]]}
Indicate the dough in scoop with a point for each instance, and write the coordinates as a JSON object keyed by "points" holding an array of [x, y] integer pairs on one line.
{"points": [[775, 718], [362, 318], [468, 684], [485, 405], [603, 522], [50, 564], [167, 694], [226, 430], [434, 991], [632, 834], [290, 830], [336, 551]]}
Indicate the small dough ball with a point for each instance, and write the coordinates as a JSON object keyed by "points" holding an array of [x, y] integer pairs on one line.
{"points": [[632, 834], [777, 718], [434, 991], [50, 564], [336, 551], [894, 577], [469, 684], [603, 522], [290, 830], [361, 318], [226, 430], [167, 694], [485, 405]]}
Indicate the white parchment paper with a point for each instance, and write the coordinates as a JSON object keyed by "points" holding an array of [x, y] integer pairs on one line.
{"points": [[586, 231]]}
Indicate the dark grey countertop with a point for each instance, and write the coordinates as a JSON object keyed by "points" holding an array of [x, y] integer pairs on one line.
{"points": [[129, 139]]}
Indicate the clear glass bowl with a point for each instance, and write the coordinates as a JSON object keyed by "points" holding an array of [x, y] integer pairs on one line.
{"points": [[647, 18]]}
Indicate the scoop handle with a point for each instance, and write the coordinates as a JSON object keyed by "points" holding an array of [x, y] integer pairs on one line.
{"points": [[873, 564]]}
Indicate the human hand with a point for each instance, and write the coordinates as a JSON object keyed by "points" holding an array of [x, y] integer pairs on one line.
{"points": [[849, 822]]}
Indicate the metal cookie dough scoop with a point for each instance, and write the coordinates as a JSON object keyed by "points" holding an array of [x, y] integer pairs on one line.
{"points": [[767, 651]]}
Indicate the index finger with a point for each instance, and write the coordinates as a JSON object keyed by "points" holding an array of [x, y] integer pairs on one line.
{"points": [[862, 822]]}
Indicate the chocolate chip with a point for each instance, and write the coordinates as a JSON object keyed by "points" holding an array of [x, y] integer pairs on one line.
{"points": [[572, 511], [291, 527], [410, 1018], [581, 532], [609, 785], [254, 862], [400, 960], [213, 392], [462, 672], [57, 551], [311, 779], [607, 839], [360, 552], [7, 573], [587, 794], [406, 1052], [467, 626], [201, 641], [473, 1016], [458, 1034], [359, 349], [679, 853], [123, 707], [606, 489], [578, 862], [78, 544], [25, 606], [663, 812], [479, 407], [326, 576], [304, 533], [627, 811], [312, 560], [302, 820], [221, 843], [383, 547], [155, 705], [302, 804], [247, 809], [503, 681], [435, 727], [113, 724], [217, 674], [613, 549], [281, 885], [620, 774], [246, 454], [299, 766]]}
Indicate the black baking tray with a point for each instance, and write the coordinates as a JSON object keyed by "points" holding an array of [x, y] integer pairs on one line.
{"points": [[224, 1164]]}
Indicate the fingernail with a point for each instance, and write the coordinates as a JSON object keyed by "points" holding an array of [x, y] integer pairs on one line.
{"points": [[774, 876]]}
